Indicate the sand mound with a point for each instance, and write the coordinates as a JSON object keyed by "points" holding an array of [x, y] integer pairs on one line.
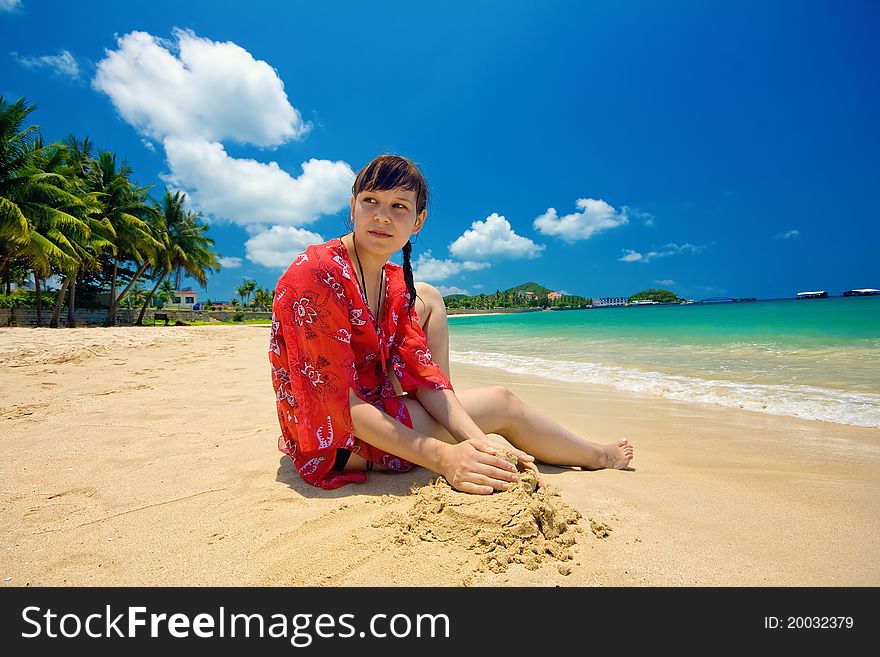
{"points": [[520, 525]]}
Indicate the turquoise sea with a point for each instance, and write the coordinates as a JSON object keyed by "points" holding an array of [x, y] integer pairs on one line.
{"points": [[817, 359]]}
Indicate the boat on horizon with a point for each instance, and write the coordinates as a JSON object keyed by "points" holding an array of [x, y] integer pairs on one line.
{"points": [[818, 294], [864, 292]]}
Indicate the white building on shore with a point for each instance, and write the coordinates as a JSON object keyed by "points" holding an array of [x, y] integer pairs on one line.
{"points": [[610, 301], [183, 300]]}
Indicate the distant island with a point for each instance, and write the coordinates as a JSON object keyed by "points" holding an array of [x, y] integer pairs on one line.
{"points": [[533, 296]]}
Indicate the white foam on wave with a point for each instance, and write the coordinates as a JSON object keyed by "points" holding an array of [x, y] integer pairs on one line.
{"points": [[802, 401]]}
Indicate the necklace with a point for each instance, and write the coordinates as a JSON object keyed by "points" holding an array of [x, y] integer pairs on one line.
{"points": [[364, 281]]}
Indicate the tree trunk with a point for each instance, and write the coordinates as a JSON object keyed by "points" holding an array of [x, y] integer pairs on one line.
{"points": [[112, 292], [59, 301], [71, 306], [140, 319], [5, 260], [39, 292], [114, 302]]}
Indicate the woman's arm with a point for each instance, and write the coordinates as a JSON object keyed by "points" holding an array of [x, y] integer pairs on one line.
{"points": [[468, 466], [445, 407]]}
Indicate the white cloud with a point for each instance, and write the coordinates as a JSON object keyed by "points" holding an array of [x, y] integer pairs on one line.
{"points": [[428, 268], [645, 217], [193, 87], [595, 217], [787, 236], [246, 192], [445, 291], [494, 238], [64, 63], [668, 250], [666, 282], [478, 286], [279, 246], [148, 145], [230, 262], [190, 93], [9, 5]]}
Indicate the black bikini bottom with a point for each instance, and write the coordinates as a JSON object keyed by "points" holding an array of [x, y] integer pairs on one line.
{"points": [[342, 458]]}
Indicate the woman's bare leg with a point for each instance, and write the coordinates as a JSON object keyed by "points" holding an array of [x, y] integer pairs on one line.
{"points": [[495, 409]]}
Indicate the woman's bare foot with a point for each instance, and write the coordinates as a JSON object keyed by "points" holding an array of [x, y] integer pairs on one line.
{"points": [[615, 456], [618, 454]]}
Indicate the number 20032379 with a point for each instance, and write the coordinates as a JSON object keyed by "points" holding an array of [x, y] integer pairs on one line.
{"points": [[809, 622]]}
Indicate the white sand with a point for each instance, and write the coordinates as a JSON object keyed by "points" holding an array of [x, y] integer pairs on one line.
{"points": [[147, 456]]}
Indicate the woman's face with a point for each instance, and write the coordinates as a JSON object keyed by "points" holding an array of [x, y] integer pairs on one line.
{"points": [[385, 219]]}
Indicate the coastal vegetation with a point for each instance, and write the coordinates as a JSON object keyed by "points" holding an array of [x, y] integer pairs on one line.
{"points": [[525, 296], [262, 297], [533, 296], [72, 213], [660, 296]]}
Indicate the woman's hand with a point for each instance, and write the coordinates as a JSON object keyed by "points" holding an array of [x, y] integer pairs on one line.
{"points": [[472, 467], [530, 465]]}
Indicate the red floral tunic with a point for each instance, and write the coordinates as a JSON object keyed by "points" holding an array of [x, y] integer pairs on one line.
{"points": [[324, 340]]}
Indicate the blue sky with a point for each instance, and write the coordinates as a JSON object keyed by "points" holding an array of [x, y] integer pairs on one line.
{"points": [[597, 148]]}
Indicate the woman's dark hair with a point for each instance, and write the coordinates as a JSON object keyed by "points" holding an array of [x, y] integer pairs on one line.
{"points": [[390, 172]]}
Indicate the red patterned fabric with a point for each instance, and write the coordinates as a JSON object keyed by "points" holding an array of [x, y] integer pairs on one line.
{"points": [[323, 342]]}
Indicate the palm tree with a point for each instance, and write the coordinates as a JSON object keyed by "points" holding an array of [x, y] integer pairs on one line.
{"points": [[186, 248], [85, 239], [135, 221], [42, 214], [166, 291], [82, 168], [263, 299], [242, 291], [15, 147], [172, 214], [61, 236], [135, 296]]}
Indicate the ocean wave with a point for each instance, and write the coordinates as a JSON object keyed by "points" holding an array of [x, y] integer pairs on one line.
{"points": [[801, 401]]}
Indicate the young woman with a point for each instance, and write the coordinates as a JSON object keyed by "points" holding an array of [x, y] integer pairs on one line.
{"points": [[357, 387]]}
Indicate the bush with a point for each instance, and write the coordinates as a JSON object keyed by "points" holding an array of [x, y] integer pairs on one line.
{"points": [[238, 316], [22, 298]]}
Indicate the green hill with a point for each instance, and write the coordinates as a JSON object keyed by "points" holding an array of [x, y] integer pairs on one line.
{"points": [[534, 288], [660, 296], [515, 297]]}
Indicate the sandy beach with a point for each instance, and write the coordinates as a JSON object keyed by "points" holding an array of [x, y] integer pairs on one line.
{"points": [[147, 456]]}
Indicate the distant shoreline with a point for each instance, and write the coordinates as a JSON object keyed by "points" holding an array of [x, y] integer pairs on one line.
{"points": [[494, 311], [726, 301]]}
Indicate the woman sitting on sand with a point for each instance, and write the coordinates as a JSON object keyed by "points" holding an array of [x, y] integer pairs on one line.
{"points": [[345, 319]]}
